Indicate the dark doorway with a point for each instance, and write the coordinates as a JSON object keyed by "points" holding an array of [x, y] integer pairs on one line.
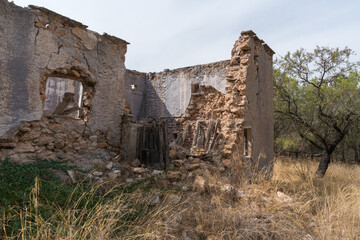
{"points": [[152, 147]]}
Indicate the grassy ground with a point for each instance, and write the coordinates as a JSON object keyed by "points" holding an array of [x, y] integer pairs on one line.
{"points": [[292, 205]]}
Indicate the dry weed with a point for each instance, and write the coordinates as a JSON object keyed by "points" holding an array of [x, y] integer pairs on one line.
{"points": [[292, 205]]}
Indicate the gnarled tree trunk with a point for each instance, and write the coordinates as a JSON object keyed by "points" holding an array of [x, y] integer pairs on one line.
{"points": [[323, 165]]}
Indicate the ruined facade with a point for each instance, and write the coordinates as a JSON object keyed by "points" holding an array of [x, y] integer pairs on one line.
{"points": [[38, 45], [219, 108]]}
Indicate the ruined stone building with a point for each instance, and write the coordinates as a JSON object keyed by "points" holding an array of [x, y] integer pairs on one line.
{"points": [[66, 94]]}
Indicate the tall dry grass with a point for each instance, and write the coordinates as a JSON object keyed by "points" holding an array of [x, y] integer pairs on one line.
{"points": [[331, 206], [293, 205]]}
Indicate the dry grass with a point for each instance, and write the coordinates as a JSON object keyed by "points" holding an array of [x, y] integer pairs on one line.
{"points": [[310, 209], [331, 204]]}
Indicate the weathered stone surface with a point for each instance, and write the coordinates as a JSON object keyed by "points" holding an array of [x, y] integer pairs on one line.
{"points": [[60, 155], [36, 44], [97, 173], [117, 158], [155, 200], [173, 199], [102, 145], [24, 148], [99, 164], [174, 175], [199, 184], [156, 172], [129, 180], [112, 175], [59, 143], [227, 188], [192, 167], [139, 170], [88, 38], [218, 121], [227, 163], [17, 61], [109, 165], [208, 108], [135, 163], [45, 139], [283, 198], [181, 154], [178, 162], [72, 176], [29, 136], [8, 145]]}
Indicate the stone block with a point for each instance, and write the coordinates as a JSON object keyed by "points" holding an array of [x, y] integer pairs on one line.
{"points": [[24, 148]]}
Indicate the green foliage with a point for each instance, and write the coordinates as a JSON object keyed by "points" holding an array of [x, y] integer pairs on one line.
{"points": [[17, 180], [33, 194], [317, 97], [288, 144]]}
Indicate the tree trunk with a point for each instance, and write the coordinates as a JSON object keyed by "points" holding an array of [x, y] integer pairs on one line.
{"points": [[323, 166], [357, 159], [343, 155]]}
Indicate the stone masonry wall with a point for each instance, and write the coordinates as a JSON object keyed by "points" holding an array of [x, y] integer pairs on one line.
{"points": [[222, 110], [257, 60], [35, 44], [210, 107], [216, 122], [58, 137]]}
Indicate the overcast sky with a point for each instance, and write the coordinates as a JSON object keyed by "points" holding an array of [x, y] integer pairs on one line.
{"points": [[178, 33]]}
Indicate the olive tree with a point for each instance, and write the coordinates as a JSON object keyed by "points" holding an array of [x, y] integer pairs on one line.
{"points": [[319, 93]]}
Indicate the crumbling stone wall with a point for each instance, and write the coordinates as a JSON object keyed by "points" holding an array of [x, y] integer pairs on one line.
{"points": [[169, 95], [249, 99], [35, 44], [223, 108], [220, 108], [62, 138]]}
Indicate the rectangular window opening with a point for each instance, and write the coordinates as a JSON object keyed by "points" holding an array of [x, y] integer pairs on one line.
{"points": [[247, 142], [195, 88]]}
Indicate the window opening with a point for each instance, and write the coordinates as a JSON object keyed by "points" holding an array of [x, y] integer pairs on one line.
{"points": [[247, 142], [133, 86], [63, 97], [195, 88]]}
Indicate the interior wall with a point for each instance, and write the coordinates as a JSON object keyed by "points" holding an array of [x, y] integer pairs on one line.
{"points": [[135, 92], [169, 92], [55, 90]]}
